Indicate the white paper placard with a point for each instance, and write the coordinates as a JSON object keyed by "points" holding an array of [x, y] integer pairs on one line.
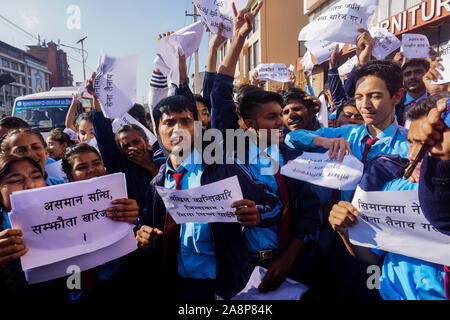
{"points": [[446, 73], [385, 42], [415, 46], [393, 221], [208, 203], [127, 119], [273, 72], [319, 169], [215, 12], [348, 66], [288, 290], [182, 42], [67, 220], [340, 22], [322, 49], [84, 262], [115, 84]]}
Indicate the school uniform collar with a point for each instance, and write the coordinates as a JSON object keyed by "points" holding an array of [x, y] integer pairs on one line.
{"points": [[409, 98], [386, 136], [191, 163]]}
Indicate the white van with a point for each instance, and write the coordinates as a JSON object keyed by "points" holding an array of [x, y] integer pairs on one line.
{"points": [[47, 110]]}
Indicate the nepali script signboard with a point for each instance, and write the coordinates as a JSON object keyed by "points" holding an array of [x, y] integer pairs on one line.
{"points": [[393, 221], [340, 22], [115, 84], [208, 203], [319, 169], [273, 72], [69, 220]]}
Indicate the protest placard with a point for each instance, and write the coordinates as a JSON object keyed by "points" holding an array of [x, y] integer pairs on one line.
{"points": [[348, 66], [415, 46], [446, 64], [340, 22], [84, 262], [208, 203], [63, 221], [307, 63], [385, 42], [215, 12], [288, 290], [127, 119], [322, 115], [319, 169], [115, 84], [182, 42], [321, 49], [393, 221], [273, 72]]}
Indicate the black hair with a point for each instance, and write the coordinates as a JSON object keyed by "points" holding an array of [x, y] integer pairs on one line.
{"points": [[252, 100], [416, 62], [6, 148], [173, 104], [60, 136], [388, 71], [423, 107], [13, 123], [86, 116], [297, 95], [199, 98], [245, 89], [137, 111], [350, 102], [73, 151], [128, 128]]}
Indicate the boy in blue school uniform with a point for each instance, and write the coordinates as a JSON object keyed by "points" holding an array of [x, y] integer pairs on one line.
{"points": [[284, 248], [200, 260], [403, 278]]}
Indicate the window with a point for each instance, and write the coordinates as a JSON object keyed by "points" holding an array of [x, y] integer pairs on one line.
{"points": [[251, 60], [257, 56], [22, 68], [5, 63]]}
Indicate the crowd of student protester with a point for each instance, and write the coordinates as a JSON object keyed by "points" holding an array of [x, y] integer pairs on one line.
{"points": [[383, 114]]}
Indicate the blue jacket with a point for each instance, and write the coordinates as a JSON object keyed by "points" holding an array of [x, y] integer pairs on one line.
{"points": [[337, 90], [234, 265], [434, 192], [114, 160], [208, 84], [380, 170]]}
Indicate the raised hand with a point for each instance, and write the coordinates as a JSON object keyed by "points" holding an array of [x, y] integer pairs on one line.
{"points": [[243, 20]]}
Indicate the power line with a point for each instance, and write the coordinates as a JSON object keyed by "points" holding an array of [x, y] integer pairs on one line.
{"points": [[20, 28]]}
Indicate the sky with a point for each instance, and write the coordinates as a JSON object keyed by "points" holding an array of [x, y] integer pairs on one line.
{"points": [[118, 27]]}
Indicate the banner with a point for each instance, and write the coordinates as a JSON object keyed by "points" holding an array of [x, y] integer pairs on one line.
{"points": [[67, 220], [393, 221]]}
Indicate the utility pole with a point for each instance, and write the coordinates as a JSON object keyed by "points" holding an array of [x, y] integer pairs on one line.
{"points": [[196, 74], [82, 54]]}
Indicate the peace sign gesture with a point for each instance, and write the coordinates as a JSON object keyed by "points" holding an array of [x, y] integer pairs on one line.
{"points": [[243, 20]]}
